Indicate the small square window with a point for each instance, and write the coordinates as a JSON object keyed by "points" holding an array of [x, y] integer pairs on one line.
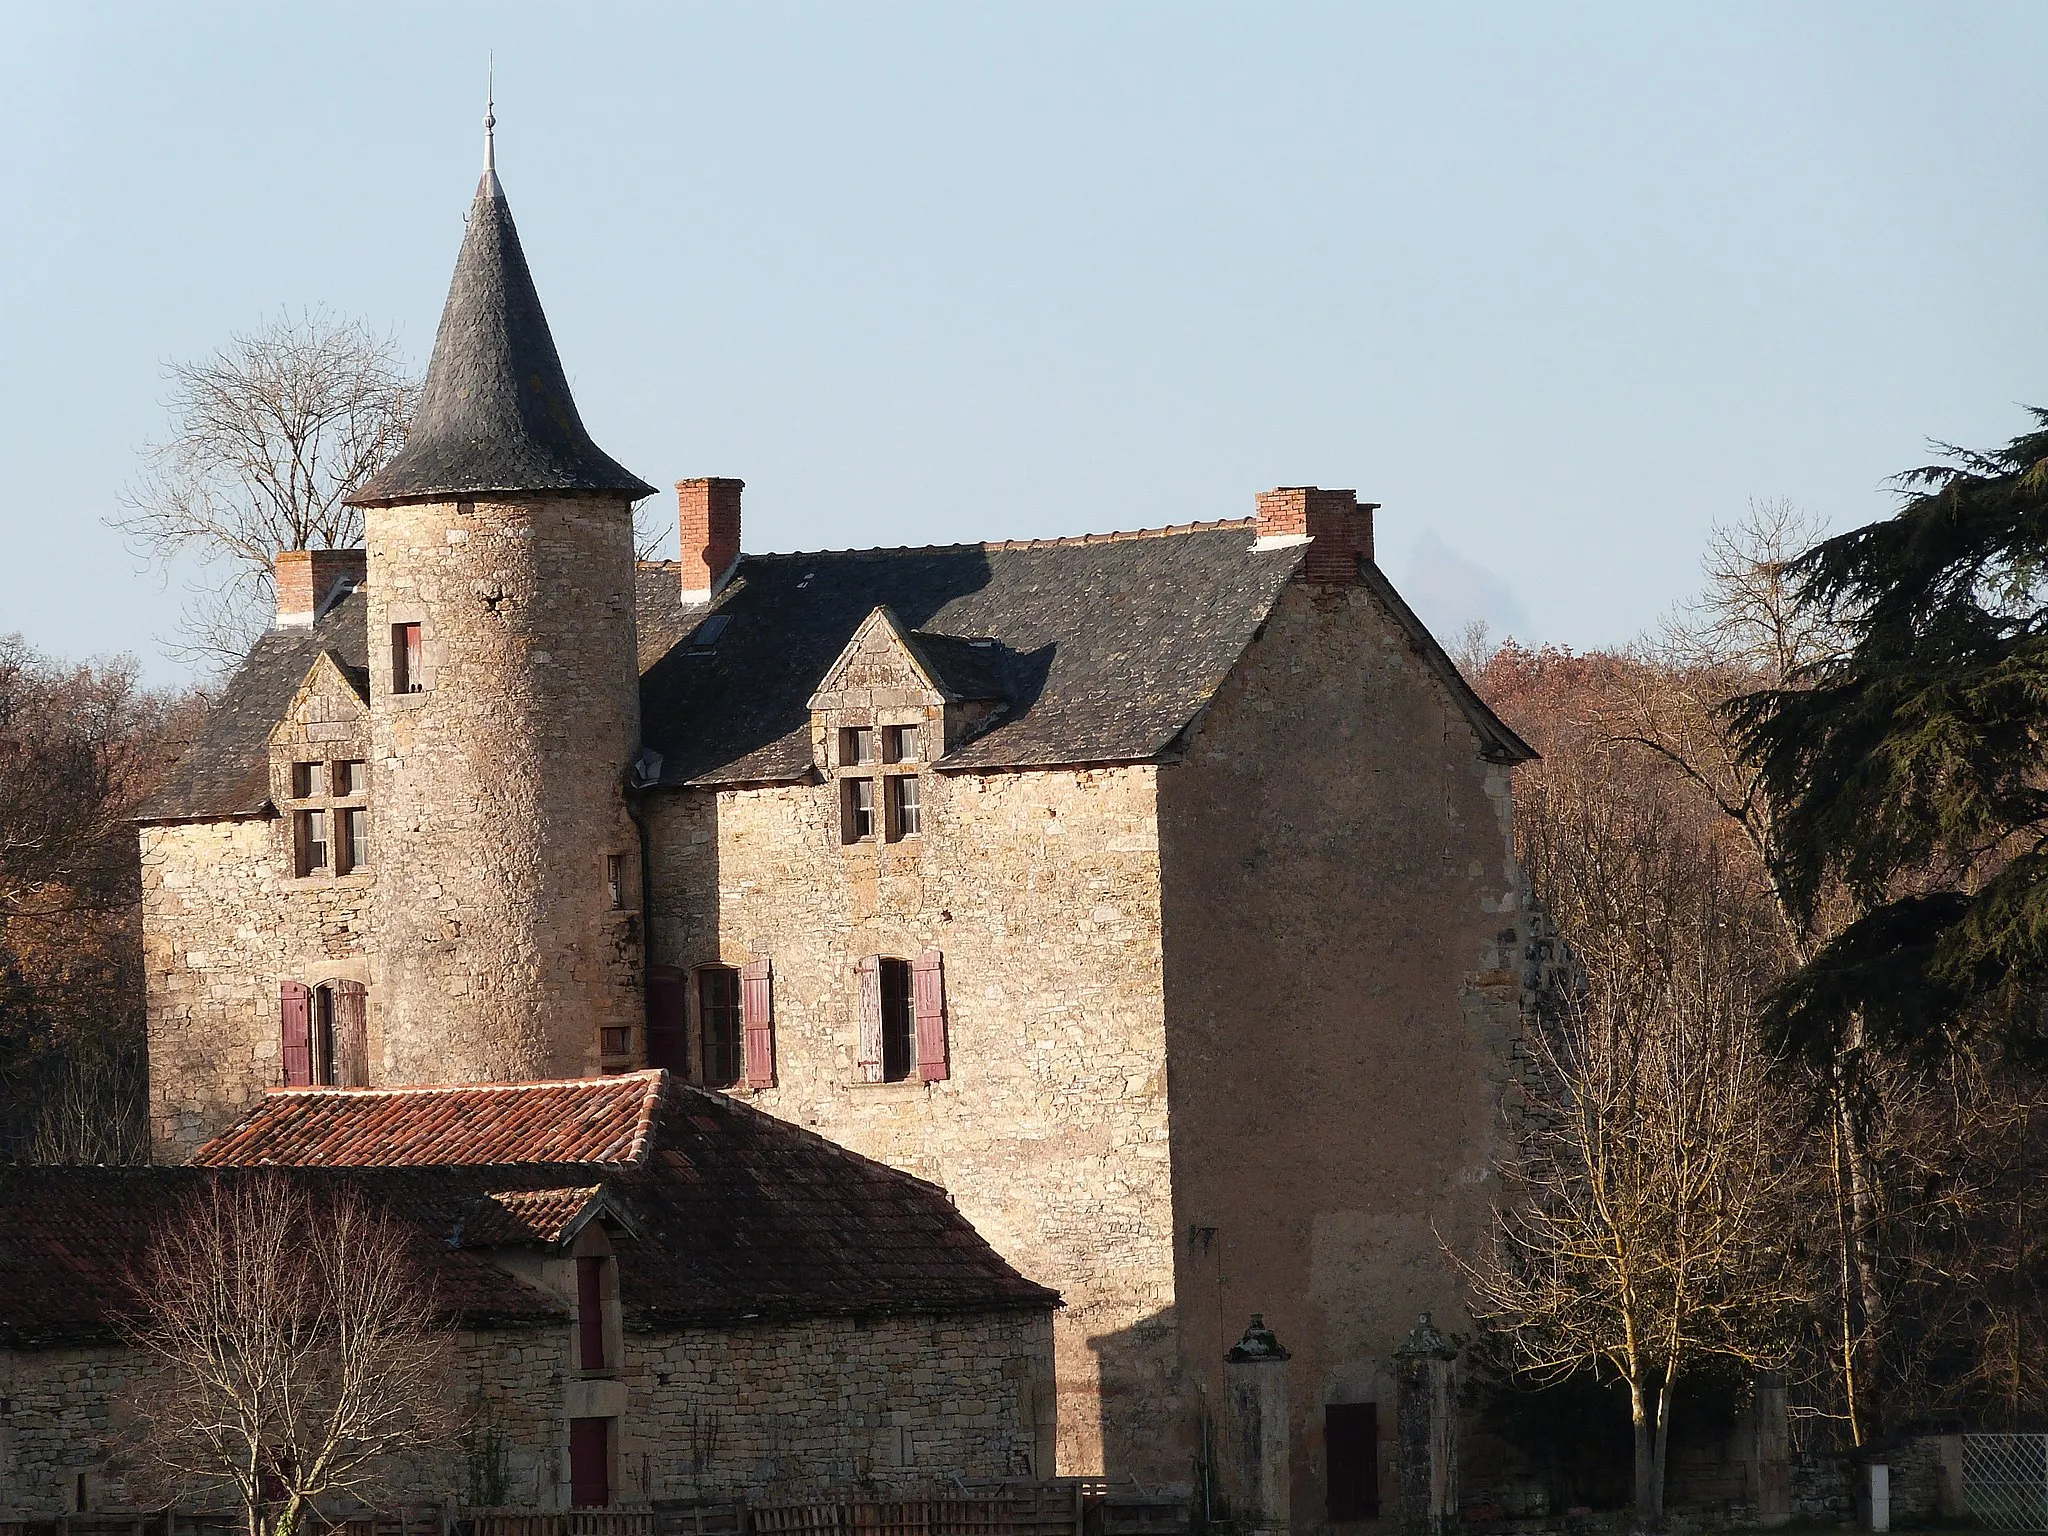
{"points": [[348, 779], [857, 810], [856, 747], [616, 1041], [899, 743], [906, 813], [308, 779]]}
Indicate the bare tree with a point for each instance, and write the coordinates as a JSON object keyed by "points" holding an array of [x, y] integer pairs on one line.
{"points": [[297, 1346], [1643, 1229], [80, 746], [269, 437]]}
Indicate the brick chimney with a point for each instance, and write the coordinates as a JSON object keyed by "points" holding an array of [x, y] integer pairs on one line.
{"points": [[306, 579], [709, 514], [1336, 525]]}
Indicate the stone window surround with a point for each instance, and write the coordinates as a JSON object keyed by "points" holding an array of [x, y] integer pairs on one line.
{"points": [[288, 819], [838, 725]]}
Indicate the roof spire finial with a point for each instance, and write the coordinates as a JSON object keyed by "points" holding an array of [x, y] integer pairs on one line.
{"points": [[491, 124]]}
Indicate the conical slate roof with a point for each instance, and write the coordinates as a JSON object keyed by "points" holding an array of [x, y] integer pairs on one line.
{"points": [[496, 416]]}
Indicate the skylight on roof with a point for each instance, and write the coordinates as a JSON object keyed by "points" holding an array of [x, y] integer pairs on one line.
{"points": [[706, 634]]}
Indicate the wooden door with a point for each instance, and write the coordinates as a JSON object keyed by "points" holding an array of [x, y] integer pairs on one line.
{"points": [[590, 1463]]}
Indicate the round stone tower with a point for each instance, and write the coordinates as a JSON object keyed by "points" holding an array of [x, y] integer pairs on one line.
{"points": [[504, 706]]}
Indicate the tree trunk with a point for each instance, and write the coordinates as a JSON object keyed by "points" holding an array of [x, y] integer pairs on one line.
{"points": [[1859, 1367], [1663, 1448], [1646, 1461]]}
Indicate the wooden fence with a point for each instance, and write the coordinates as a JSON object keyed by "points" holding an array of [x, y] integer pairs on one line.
{"points": [[1069, 1507]]}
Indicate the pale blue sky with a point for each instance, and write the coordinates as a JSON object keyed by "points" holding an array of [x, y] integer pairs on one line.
{"points": [[1560, 285]]}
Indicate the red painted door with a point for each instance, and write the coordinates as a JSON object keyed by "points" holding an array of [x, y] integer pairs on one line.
{"points": [[590, 1463]]}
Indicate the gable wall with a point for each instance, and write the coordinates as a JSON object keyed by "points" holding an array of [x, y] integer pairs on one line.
{"points": [[1342, 943], [225, 919], [1040, 889]]}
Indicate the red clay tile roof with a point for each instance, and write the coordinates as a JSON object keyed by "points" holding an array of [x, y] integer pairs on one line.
{"points": [[508, 1218], [578, 1120], [732, 1213]]}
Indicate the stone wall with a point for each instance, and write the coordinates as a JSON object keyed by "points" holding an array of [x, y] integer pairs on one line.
{"points": [[1040, 890], [1343, 932], [777, 1410], [224, 921], [898, 1406], [226, 917], [498, 789]]}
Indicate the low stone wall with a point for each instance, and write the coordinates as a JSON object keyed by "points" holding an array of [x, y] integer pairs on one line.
{"points": [[899, 1406], [892, 1406]]}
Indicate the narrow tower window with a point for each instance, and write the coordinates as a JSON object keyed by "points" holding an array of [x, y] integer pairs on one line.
{"points": [[615, 879], [406, 662]]}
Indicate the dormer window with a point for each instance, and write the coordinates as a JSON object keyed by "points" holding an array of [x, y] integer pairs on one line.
{"points": [[857, 810], [329, 835], [899, 743], [902, 803], [856, 747], [312, 843]]}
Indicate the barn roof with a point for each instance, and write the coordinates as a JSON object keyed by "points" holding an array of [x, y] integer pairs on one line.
{"points": [[718, 1213], [574, 1120]]}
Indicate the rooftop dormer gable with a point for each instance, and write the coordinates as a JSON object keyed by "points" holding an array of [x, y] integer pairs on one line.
{"points": [[889, 675]]}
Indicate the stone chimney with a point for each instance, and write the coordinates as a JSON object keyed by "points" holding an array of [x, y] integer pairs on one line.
{"points": [[709, 514], [306, 579], [1336, 525]]}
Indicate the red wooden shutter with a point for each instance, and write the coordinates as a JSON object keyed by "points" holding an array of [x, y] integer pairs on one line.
{"points": [[295, 1019], [668, 1024], [590, 1313], [870, 969], [757, 1014], [928, 989], [351, 1034]]}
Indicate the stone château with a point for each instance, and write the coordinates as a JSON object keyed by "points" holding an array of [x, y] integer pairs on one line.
{"points": [[1151, 892]]}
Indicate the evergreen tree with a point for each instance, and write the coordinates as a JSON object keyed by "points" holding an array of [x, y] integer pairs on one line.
{"points": [[1911, 769]]}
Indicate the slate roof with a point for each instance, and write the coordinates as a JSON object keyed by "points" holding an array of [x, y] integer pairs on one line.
{"points": [[574, 1120], [226, 770], [496, 415], [1108, 645]]}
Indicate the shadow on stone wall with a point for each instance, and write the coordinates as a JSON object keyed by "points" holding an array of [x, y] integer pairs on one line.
{"points": [[1145, 1431]]}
